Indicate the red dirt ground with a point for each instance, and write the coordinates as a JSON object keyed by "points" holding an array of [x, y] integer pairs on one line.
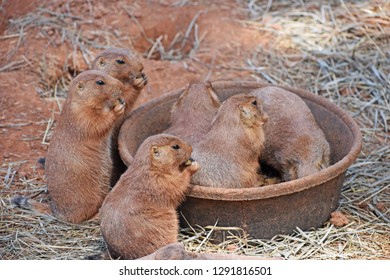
{"points": [[31, 65]]}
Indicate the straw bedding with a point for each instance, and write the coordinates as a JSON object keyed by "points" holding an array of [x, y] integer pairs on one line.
{"points": [[336, 49]]}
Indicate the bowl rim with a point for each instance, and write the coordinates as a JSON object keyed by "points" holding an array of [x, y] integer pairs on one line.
{"points": [[269, 191]]}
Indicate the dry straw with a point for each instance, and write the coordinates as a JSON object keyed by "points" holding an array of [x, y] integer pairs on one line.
{"points": [[337, 49]]}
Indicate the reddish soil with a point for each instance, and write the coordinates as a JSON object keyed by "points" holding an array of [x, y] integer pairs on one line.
{"points": [[43, 59]]}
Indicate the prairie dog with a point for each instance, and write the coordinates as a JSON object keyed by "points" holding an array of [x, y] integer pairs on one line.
{"points": [[78, 163], [139, 215], [295, 145], [122, 65], [228, 153]]}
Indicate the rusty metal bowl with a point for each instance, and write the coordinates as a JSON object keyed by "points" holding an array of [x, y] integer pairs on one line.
{"points": [[261, 212]]}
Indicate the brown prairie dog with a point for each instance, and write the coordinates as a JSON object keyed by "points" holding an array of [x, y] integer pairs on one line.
{"points": [[139, 215], [193, 112], [295, 145], [228, 153], [78, 163], [122, 65]]}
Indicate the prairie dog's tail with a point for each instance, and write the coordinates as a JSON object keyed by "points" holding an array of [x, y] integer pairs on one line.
{"points": [[31, 204]]}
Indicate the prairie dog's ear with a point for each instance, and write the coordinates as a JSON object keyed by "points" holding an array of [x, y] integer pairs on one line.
{"points": [[159, 152], [101, 63], [214, 97], [80, 86], [245, 112], [155, 151]]}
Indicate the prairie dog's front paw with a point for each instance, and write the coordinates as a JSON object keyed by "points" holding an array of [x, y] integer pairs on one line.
{"points": [[119, 106], [140, 81], [194, 166]]}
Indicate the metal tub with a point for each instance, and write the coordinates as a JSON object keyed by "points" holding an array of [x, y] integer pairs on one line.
{"points": [[261, 212]]}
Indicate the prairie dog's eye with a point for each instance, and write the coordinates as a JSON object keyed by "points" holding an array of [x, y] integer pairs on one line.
{"points": [[254, 102], [100, 82], [176, 147], [120, 61]]}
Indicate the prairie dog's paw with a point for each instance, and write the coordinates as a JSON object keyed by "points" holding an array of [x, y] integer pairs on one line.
{"points": [[272, 181], [265, 181], [193, 165], [119, 106], [140, 81]]}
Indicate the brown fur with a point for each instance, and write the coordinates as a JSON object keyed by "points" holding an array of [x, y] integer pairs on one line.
{"points": [[130, 73], [193, 112], [78, 162], [228, 154], [139, 215], [295, 145], [176, 251]]}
